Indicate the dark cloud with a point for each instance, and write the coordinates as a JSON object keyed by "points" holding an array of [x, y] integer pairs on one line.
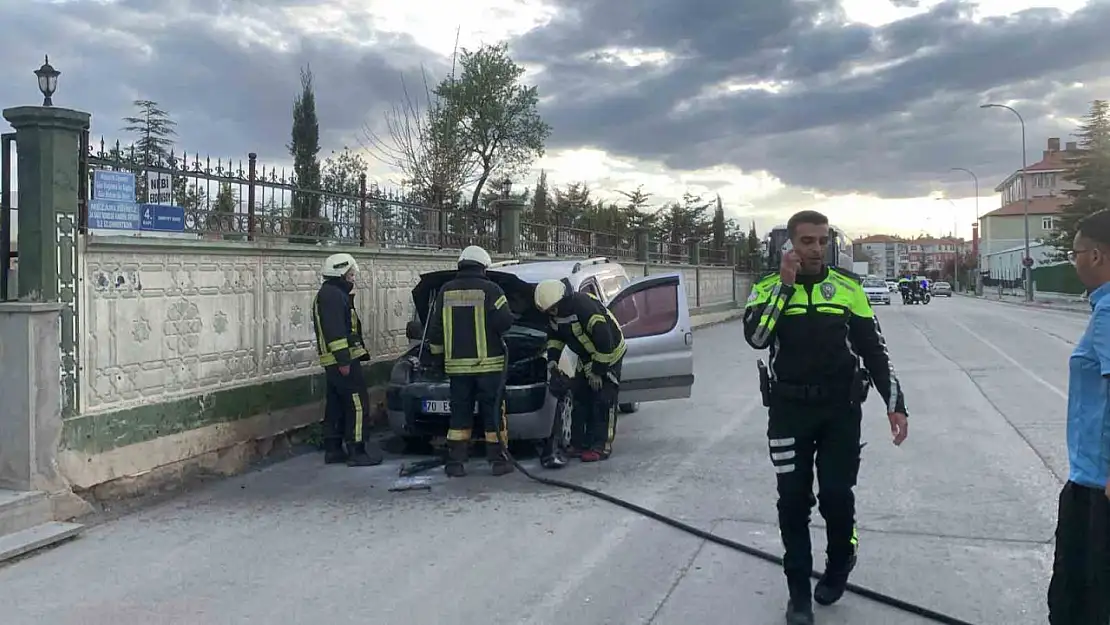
{"points": [[861, 109], [226, 71]]}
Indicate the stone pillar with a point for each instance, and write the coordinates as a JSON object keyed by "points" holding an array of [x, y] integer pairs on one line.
{"points": [[643, 245], [48, 141], [693, 247], [508, 225], [732, 254]]}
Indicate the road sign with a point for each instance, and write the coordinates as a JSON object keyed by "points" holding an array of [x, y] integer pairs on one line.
{"points": [[159, 187], [109, 215], [159, 218], [1027, 261], [113, 186]]}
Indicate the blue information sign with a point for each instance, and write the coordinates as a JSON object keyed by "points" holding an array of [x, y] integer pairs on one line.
{"points": [[108, 215], [113, 186], [162, 218]]}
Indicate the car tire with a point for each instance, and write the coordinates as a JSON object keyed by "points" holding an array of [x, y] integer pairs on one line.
{"points": [[629, 408], [553, 448]]}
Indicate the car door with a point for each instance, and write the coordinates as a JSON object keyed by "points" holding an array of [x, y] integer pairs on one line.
{"points": [[655, 319]]}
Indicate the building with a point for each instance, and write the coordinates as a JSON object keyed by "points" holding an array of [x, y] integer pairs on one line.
{"points": [[892, 256], [1003, 229]]}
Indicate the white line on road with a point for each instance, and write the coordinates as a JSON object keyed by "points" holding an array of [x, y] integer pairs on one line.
{"points": [[577, 574], [1010, 359]]}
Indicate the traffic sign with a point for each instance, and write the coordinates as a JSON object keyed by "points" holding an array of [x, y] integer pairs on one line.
{"points": [[1027, 261], [162, 218]]}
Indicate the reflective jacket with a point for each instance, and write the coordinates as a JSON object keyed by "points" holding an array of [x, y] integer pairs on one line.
{"points": [[466, 323], [584, 324], [338, 328], [818, 331]]}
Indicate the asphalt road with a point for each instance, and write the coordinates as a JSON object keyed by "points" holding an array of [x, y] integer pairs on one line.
{"points": [[959, 518]]}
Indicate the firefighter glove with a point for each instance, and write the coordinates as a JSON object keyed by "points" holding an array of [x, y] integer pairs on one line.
{"points": [[594, 380]]}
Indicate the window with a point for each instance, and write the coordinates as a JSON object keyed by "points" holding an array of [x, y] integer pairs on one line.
{"points": [[612, 285], [1046, 223], [649, 312], [590, 287]]}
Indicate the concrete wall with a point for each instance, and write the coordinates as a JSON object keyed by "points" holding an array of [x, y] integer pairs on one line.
{"points": [[190, 348]]}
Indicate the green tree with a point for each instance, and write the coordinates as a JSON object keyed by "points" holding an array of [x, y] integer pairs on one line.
{"points": [[1090, 171], [304, 148], [719, 227], [499, 124], [341, 180], [223, 217], [155, 130], [637, 210]]}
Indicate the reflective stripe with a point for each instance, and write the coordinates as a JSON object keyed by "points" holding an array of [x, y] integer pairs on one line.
{"points": [[781, 442], [786, 468], [473, 365], [458, 435], [770, 316], [555, 344], [358, 352], [501, 302], [491, 437], [435, 348], [611, 432], [594, 320], [358, 417], [783, 455], [480, 332]]}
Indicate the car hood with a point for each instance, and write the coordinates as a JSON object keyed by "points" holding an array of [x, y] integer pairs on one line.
{"points": [[519, 293], [874, 289]]}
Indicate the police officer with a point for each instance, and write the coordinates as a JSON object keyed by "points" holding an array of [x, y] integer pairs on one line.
{"points": [[341, 348], [582, 322], [818, 324], [470, 315]]}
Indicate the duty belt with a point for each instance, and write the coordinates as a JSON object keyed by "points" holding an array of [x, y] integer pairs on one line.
{"points": [[811, 392]]}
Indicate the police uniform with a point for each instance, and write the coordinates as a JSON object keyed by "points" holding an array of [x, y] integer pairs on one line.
{"points": [[581, 322], [339, 343], [472, 313], [818, 331]]}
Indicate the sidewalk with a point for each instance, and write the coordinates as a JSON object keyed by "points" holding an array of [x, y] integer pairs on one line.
{"points": [[1050, 301], [712, 319]]}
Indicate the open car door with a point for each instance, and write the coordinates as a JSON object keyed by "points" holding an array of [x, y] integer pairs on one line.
{"points": [[655, 319]]}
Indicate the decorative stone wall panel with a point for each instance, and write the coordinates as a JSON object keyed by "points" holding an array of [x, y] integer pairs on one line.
{"points": [[716, 286]]}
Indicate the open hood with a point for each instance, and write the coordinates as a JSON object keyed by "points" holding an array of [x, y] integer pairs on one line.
{"points": [[519, 293]]}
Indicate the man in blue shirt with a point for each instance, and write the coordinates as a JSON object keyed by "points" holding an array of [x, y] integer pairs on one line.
{"points": [[1079, 593]]}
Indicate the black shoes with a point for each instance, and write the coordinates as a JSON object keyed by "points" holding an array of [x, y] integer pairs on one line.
{"points": [[457, 454], [799, 614], [830, 588], [498, 463], [359, 455]]}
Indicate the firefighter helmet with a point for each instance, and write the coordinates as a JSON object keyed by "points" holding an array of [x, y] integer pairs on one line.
{"points": [[338, 265], [475, 254], [549, 293]]}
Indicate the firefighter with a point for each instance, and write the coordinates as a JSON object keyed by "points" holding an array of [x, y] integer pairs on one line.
{"points": [[341, 348], [818, 325], [471, 314], [582, 322]]}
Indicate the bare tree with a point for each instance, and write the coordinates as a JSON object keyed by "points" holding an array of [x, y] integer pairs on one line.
{"points": [[422, 142]]}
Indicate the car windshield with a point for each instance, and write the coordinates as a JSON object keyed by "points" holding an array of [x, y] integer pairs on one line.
{"points": [[874, 284], [942, 284]]}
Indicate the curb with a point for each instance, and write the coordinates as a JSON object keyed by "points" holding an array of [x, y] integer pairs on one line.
{"points": [[731, 315], [1035, 305]]}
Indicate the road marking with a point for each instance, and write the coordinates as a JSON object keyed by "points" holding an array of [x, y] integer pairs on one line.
{"points": [[1010, 359], [578, 574]]}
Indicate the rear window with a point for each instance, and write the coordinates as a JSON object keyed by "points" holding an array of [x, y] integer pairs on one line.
{"points": [[874, 283]]}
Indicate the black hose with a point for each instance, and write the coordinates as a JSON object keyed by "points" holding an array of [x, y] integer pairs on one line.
{"points": [[862, 591]]}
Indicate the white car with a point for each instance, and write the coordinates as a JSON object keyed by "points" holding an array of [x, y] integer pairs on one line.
{"points": [[877, 291]]}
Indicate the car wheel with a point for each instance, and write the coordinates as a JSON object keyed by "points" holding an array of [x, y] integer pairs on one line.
{"points": [[553, 454], [629, 408]]}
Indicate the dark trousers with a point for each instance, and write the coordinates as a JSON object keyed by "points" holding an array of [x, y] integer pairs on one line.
{"points": [[345, 404], [1079, 593], [594, 420], [798, 435], [484, 390]]}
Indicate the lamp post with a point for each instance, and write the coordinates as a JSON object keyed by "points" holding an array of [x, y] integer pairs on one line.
{"points": [[978, 260], [1026, 262], [48, 81]]}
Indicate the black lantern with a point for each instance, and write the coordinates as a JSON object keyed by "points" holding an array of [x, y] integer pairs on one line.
{"points": [[48, 81], [506, 188]]}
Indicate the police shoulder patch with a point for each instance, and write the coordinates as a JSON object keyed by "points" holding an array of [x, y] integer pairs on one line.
{"points": [[828, 290]]}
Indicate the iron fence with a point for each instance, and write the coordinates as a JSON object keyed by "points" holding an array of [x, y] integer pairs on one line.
{"points": [[710, 255], [553, 238], [234, 200], [662, 252]]}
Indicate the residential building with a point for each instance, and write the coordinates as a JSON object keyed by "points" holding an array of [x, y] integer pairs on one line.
{"points": [[892, 256], [1003, 229]]}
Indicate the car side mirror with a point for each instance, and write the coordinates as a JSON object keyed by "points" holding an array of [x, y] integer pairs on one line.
{"points": [[414, 330]]}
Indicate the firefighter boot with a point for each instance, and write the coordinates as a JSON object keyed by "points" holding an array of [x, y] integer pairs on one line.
{"points": [[497, 462], [833, 582], [457, 452], [334, 452], [364, 455], [799, 610]]}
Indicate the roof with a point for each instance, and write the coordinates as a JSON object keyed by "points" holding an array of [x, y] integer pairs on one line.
{"points": [[1037, 206], [537, 271], [880, 238], [1055, 160]]}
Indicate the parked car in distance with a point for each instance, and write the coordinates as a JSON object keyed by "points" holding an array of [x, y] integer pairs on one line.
{"points": [[942, 289], [653, 314], [877, 291], [892, 286]]}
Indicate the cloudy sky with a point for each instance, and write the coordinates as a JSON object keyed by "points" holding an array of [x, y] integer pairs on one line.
{"points": [[855, 107]]}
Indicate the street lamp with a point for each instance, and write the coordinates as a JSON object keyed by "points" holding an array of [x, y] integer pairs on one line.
{"points": [[48, 81], [506, 188], [955, 228], [1026, 264], [978, 262]]}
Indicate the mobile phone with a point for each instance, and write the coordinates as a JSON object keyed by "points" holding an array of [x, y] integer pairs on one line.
{"points": [[788, 246]]}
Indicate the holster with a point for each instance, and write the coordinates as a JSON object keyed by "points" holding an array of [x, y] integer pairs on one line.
{"points": [[764, 382], [861, 385]]}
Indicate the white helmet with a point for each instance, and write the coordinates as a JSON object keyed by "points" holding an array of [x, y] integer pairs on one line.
{"points": [[475, 254], [549, 293], [338, 265]]}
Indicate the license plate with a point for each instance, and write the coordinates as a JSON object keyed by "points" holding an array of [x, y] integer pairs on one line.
{"points": [[441, 406]]}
